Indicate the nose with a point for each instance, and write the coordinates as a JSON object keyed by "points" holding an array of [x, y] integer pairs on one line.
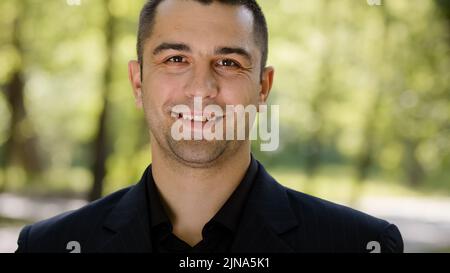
{"points": [[202, 83]]}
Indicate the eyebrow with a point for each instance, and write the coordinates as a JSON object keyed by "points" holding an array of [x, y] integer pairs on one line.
{"points": [[233, 50], [173, 46]]}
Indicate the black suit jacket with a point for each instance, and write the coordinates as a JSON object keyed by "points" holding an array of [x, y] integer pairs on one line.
{"points": [[275, 219]]}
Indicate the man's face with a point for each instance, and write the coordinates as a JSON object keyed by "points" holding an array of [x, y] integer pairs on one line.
{"points": [[198, 50]]}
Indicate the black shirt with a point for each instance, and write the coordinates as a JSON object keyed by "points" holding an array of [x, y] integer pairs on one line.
{"points": [[217, 234]]}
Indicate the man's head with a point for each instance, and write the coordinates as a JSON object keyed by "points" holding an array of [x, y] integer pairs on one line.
{"points": [[189, 49]]}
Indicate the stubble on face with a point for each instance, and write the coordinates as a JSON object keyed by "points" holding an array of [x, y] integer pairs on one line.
{"points": [[193, 153]]}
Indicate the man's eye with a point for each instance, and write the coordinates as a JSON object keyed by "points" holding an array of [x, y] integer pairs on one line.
{"points": [[228, 63], [176, 59]]}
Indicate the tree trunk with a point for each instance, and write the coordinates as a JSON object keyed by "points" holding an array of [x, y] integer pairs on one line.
{"points": [[21, 145], [100, 143]]}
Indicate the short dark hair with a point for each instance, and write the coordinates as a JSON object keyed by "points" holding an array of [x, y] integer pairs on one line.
{"points": [[148, 12]]}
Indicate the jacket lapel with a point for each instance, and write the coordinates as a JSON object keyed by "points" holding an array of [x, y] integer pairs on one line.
{"points": [[266, 217], [128, 222]]}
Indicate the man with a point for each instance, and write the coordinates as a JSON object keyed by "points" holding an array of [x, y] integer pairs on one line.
{"points": [[205, 195]]}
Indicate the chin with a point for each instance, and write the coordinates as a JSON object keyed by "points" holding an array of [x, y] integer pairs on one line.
{"points": [[200, 154]]}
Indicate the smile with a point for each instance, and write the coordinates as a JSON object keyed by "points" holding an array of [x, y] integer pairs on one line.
{"points": [[198, 117]]}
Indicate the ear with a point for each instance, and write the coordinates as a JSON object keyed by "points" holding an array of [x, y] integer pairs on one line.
{"points": [[266, 84], [134, 75]]}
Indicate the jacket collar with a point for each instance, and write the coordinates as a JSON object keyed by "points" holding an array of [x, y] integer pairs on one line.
{"points": [[129, 221], [267, 215]]}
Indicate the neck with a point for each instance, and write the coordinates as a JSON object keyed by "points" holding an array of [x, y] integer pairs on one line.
{"points": [[193, 195]]}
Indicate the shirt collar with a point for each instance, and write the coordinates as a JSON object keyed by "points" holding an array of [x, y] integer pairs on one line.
{"points": [[228, 216], [230, 213], [158, 215]]}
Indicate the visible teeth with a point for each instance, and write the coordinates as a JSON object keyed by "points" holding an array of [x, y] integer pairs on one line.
{"points": [[197, 118]]}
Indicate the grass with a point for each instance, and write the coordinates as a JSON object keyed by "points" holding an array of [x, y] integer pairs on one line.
{"points": [[8, 222], [443, 250], [336, 183], [332, 182]]}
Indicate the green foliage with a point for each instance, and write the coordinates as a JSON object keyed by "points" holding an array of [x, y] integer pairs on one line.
{"points": [[355, 84]]}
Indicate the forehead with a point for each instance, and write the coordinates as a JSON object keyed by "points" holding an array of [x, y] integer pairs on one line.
{"points": [[201, 24]]}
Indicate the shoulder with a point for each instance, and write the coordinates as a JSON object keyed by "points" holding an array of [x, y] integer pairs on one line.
{"points": [[79, 225], [324, 226], [342, 228]]}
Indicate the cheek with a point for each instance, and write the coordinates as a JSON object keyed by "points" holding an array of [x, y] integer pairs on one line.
{"points": [[239, 91], [165, 88], [161, 90]]}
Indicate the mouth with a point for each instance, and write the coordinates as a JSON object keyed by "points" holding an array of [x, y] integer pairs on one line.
{"points": [[196, 117]]}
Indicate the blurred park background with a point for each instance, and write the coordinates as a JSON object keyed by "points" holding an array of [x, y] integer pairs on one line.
{"points": [[363, 89]]}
